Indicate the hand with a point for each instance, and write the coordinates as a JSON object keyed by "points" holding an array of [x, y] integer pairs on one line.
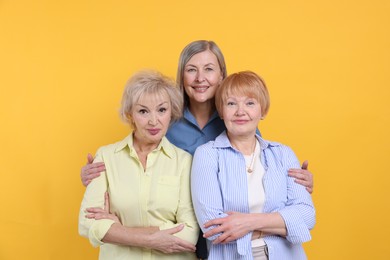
{"points": [[303, 176], [165, 242], [91, 170], [232, 227], [99, 213]]}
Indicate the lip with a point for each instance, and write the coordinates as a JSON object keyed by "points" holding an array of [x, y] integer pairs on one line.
{"points": [[240, 122], [153, 131], [200, 89]]}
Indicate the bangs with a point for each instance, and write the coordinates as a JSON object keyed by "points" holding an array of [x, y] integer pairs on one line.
{"points": [[240, 86]]}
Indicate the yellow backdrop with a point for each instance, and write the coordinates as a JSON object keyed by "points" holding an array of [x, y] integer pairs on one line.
{"points": [[63, 65]]}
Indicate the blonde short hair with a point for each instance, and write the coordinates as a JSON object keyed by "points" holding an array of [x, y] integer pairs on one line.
{"points": [[245, 83], [150, 82]]}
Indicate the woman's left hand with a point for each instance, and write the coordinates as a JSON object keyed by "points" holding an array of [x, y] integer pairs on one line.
{"points": [[232, 227], [303, 176], [99, 213]]}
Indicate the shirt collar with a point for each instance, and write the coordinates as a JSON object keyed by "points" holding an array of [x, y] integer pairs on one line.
{"points": [[222, 141], [165, 146]]}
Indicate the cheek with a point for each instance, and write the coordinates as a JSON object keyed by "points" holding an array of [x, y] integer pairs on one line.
{"points": [[138, 121], [166, 119], [188, 79]]}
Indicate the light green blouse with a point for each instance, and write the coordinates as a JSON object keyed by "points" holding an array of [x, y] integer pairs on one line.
{"points": [[159, 196]]}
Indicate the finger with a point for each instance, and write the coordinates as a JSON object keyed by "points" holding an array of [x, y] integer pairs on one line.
{"points": [[87, 179], [91, 215], [89, 158], [217, 221], [106, 202], [213, 231], [94, 168], [228, 240], [95, 210], [104, 216], [184, 245], [297, 175], [302, 182], [221, 238], [174, 230], [90, 176], [309, 189], [305, 165]]}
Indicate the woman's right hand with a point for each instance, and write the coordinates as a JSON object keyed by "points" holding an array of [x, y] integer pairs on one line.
{"points": [[165, 241], [91, 170]]}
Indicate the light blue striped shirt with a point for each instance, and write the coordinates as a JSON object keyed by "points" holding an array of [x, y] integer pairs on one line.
{"points": [[219, 185]]}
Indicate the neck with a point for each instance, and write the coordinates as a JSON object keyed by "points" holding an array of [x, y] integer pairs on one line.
{"points": [[141, 146], [244, 144], [202, 111]]}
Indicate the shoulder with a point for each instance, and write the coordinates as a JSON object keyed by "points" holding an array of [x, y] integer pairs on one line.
{"points": [[114, 147], [279, 151]]}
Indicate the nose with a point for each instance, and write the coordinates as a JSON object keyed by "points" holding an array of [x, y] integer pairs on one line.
{"points": [[240, 110], [200, 76], [152, 119]]}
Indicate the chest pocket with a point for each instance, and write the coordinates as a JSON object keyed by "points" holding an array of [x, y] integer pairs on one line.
{"points": [[167, 194]]}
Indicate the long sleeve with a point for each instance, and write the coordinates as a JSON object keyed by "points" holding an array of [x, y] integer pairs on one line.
{"points": [[206, 192], [299, 212], [93, 229]]}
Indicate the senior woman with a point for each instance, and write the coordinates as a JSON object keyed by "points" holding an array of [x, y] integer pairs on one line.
{"points": [[244, 199], [148, 213]]}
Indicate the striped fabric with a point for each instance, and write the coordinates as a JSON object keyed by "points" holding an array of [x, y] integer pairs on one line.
{"points": [[219, 185]]}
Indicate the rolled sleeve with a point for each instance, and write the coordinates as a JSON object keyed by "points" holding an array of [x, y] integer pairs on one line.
{"points": [[297, 230], [98, 230]]}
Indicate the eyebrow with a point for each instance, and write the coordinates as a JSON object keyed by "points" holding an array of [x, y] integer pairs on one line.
{"points": [[159, 105], [208, 64]]}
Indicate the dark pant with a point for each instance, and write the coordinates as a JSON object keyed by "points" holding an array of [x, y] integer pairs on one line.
{"points": [[201, 247]]}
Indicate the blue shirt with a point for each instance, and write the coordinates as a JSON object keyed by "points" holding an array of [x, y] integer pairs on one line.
{"points": [[186, 134], [219, 184]]}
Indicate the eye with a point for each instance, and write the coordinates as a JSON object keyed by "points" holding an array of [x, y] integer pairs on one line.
{"points": [[209, 69], [142, 111], [250, 103], [190, 70], [230, 103], [162, 109]]}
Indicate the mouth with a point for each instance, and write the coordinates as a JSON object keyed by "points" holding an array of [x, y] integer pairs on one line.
{"points": [[200, 89], [240, 122], [153, 131]]}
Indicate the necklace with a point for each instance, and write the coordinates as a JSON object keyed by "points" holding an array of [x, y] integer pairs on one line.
{"points": [[249, 168]]}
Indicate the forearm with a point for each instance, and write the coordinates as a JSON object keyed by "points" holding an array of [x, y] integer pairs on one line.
{"points": [[121, 235], [268, 223]]}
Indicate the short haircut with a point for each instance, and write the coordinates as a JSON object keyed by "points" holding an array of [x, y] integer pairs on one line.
{"points": [[189, 51], [245, 83], [150, 82]]}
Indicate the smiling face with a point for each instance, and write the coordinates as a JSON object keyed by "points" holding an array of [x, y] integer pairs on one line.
{"points": [[202, 76], [241, 115], [151, 116]]}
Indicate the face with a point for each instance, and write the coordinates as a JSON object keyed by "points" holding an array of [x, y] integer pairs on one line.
{"points": [[202, 76], [241, 115], [151, 116]]}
